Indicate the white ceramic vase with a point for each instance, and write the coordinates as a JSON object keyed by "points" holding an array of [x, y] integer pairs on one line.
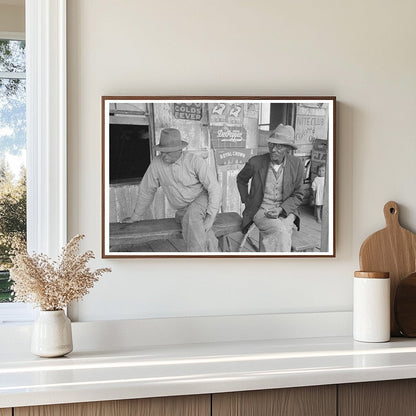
{"points": [[52, 334]]}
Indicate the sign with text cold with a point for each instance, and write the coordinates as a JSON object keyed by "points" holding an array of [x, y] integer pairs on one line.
{"points": [[186, 111]]}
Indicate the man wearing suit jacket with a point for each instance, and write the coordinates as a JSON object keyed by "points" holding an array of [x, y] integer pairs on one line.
{"points": [[276, 191]]}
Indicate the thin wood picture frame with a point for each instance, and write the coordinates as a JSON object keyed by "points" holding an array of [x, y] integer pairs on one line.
{"points": [[262, 167]]}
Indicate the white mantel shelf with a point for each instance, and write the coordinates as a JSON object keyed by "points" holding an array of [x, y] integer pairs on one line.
{"points": [[166, 370]]}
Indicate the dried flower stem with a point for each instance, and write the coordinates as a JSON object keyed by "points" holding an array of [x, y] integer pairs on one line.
{"points": [[53, 285]]}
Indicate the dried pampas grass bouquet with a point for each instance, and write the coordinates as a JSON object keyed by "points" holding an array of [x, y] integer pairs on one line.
{"points": [[53, 285]]}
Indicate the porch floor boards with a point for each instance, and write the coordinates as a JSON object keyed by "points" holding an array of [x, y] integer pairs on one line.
{"points": [[310, 234]]}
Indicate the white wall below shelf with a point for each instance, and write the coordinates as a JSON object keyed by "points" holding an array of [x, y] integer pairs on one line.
{"points": [[187, 330]]}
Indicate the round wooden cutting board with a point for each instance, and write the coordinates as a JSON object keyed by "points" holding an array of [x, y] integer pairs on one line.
{"points": [[392, 250], [405, 306]]}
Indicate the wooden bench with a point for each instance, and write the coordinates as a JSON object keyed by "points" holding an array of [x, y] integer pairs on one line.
{"points": [[299, 244], [141, 232]]}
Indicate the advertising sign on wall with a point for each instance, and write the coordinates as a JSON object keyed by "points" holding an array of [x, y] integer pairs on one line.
{"points": [[233, 156], [186, 111], [226, 113], [228, 136], [311, 124], [308, 128], [319, 155]]}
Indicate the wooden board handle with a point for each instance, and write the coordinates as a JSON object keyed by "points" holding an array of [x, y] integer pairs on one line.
{"points": [[391, 214]]}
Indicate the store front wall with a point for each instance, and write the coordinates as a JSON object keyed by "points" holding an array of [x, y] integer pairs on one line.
{"points": [[226, 135]]}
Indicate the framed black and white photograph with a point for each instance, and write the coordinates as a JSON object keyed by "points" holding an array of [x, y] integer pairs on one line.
{"points": [[218, 176]]}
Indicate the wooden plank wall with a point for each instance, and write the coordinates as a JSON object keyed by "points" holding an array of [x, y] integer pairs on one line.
{"points": [[197, 134]]}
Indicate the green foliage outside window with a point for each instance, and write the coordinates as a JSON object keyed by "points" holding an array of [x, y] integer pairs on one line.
{"points": [[12, 224], [12, 147]]}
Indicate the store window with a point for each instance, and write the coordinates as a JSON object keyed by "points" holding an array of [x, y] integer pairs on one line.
{"points": [[130, 145]]}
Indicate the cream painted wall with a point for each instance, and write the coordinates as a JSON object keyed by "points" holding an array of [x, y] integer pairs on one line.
{"points": [[12, 18], [363, 52]]}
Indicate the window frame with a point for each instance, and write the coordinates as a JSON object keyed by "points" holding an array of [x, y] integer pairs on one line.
{"points": [[46, 121], [46, 125]]}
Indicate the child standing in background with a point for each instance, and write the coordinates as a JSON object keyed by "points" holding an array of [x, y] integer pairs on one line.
{"points": [[318, 185]]}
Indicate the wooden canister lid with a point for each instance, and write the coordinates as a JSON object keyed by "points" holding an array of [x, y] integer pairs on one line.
{"points": [[372, 275]]}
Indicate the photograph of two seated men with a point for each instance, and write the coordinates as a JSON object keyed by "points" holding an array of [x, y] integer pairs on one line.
{"points": [[247, 178]]}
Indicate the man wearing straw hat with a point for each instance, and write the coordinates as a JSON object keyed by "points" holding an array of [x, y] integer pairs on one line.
{"points": [[275, 192], [190, 186]]}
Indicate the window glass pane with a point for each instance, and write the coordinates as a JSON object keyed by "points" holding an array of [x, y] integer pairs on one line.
{"points": [[12, 56], [13, 122], [12, 160]]}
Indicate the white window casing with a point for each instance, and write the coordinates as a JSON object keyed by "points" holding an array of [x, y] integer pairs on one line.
{"points": [[46, 135], [46, 125]]}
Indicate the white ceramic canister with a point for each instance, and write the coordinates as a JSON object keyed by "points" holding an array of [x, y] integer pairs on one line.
{"points": [[371, 309]]}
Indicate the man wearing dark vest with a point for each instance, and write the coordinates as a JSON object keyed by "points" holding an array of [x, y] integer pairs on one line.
{"points": [[276, 191]]}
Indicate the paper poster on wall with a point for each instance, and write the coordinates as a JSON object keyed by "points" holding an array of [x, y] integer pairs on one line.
{"points": [[311, 124], [226, 113]]}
